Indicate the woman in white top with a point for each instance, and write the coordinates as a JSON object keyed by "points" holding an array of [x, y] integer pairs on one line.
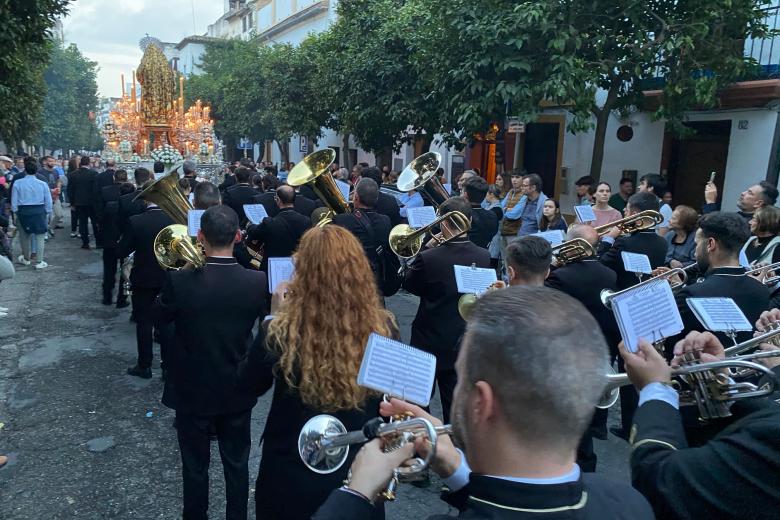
{"points": [[604, 212]]}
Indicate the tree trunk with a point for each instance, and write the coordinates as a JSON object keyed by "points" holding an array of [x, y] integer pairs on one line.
{"points": [[385, 157], [284, 150], [602, 120], [345, 153]]}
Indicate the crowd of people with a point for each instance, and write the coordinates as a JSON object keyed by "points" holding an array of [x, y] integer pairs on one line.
{"points": [[519, 379]]}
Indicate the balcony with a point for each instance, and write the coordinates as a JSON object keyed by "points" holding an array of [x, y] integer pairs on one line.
{"points": [[766, 51]]}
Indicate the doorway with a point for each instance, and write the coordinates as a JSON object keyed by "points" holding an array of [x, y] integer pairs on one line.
{"points": [[541, 151], [690, 160]]}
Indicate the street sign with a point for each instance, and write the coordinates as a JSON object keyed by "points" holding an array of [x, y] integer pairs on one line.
{"points": [[244, 144], [514, 125]]}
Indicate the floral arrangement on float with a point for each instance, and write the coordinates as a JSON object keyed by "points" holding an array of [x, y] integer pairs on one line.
{"points": [[166, 154]]}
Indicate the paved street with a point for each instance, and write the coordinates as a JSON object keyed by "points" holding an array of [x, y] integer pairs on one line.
{"points": [[87, 441]]}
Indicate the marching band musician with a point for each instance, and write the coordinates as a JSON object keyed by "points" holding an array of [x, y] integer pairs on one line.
{"points": [[108, 213], [484, 222], [529, 377], [736, 474], [385, 204], [302, 205], [437, 326], [130, 204], [528, 260], [280, 234], [205, 195], [239, 194], [210, 340], [311, 353], [646, 242], [147, 279]]}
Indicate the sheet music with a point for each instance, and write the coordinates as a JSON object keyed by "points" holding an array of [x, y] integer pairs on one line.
{"points": [[255, 213], [344, 189], [193, 221], [636, 263], [393, 193], [554, 236], [649, 312], [474, 280], [719, 314], [420, 217], [396, 369], [585, 213], [280, 269]]}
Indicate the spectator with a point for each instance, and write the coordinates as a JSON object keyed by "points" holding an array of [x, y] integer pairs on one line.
{"points": [[619, 199], [681, 248], [31, 202], [551, 217], [503, 183], [493, 201], [585, 187], [762, 248], [655, 184], [762, 194], [603, 211], [667, 198]]}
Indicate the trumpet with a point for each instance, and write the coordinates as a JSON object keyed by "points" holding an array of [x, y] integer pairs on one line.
{"points": [[406, 241], [763, 270], [324, 442], [313, 170], [420, 175], [699, 385], [467, 301], [769, 336], [647, 219], [608, 295], [572, 251]]}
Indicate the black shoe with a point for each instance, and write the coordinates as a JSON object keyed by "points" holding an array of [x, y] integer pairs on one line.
{"points": [[121, 304], [132, 317], [107, 300], [619, 432], [85, 246], [143, 373]]}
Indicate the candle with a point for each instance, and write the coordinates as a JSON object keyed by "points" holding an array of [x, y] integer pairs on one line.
{"points": [[123, 85], [132, 90]]}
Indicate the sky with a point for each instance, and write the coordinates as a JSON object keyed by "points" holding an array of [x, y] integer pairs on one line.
{"points": [[108, 31]]}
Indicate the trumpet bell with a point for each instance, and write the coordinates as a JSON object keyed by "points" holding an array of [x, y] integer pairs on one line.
{"points": [[612, 390], [174, 248], [165, 193], [420, 174], [466, 304], [404, 242], [317, 458], [312, 170]]}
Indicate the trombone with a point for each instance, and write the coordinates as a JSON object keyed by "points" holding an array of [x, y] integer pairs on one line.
{"points": [[608, 295], [406, 242], [572, 251], [324, 442], [314, 171], [420, 175], [647, 219]]}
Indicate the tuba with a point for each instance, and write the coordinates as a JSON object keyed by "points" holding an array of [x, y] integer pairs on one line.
{"points": [[313, 170], [420, 175], [174, 248], [647, 219], [165, 193], [406, 241]]}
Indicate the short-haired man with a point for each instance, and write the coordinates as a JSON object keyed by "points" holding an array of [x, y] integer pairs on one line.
{"points": [[385, 204], [205, 196], [529, 376], [620, 199], [109, 215], [239, 194], [205, 360], [585, 187], [756, 196], [438, 327], [484, 222], [528, 261], [190, 170], [655, 184], [530, 207], [131, 204], [83, 196], [158, 168]]}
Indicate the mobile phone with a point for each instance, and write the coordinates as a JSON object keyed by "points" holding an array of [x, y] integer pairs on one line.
{"points": [[712, 177]]}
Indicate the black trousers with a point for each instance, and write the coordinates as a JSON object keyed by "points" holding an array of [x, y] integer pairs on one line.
{"points": [[82, 214], [142, 299], [111, 262], [446, 380], [233, 434]]}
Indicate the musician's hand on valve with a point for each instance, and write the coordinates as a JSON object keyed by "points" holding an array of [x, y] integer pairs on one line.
{"points": [[646, 365], [615, 232], [373, 468], [710, 193], [708, 347], [771, 362], [768, 320], [447, 458]]}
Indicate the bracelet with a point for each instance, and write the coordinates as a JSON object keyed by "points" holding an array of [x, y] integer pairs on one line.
{"points": [[358, 494]]}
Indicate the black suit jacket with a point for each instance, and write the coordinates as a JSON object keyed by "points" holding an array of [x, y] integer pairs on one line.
{"points": [[109, 214], [642, 242], [280, 234], [286, 488], [238, 195], [484, 225], [590, 497], [129, 206], [388, 205], [230, 180], [584, 281], [193, 182], [214, 310], [139, 237], [380, 224], [301, 204], [103, 179], [734, 475], [81, 187], [437, 327]]}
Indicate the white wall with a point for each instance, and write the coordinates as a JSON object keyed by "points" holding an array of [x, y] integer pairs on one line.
{"points": [[190, 57]]}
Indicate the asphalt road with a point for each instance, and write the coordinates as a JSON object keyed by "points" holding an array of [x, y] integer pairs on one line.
{"points": [[87, 441]]}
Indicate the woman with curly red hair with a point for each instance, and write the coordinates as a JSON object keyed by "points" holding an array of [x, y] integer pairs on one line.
{"points": [[311, 351]]}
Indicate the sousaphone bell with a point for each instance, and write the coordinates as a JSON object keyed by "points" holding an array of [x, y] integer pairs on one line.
{"points": [[420, 175], [313, 170]]}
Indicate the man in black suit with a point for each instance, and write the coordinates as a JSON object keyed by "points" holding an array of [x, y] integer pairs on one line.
{"points": [[205, 195], [385, 204], [736, 474], [147, 279], [484, 222], [530, 372], [280, 234], [528, 260], [239, 194], [130, 203], [108, 211], [190, 172], [302, 205], [82, 196], [438, 327], [106, 177], [645, 242], [372, 229], [205, 358]]}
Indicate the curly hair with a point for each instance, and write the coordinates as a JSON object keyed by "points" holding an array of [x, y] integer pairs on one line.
{"points": [[321, 331]]}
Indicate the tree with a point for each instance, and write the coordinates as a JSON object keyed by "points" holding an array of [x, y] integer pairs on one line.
{"points": [[24, 49], [71, 96], [501, 56]]}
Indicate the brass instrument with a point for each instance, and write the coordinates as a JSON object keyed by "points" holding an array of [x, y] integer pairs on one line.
{"points": [[467, 301], [174, 248], [763, 270], [165, 193], [420, 175], [314, 171], [572, 251], [406, 241], [647, 219], [324, 441], [126, 288], [607, 295], [768, 336], [699, 385]]}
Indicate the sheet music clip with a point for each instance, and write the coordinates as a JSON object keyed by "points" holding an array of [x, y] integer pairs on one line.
{"points": [[659, 344], [732, 333], [474, 266]]}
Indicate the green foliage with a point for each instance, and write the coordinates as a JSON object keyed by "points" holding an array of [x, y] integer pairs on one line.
{"points": [[24, 52], [71, 95]]}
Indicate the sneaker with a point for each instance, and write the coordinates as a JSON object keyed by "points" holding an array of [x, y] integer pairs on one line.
{"points": [[73, 235], [22, 260], [41, 265]]}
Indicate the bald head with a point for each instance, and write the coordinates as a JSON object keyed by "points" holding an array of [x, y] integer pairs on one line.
{"points": [[583, 231], [286, 196]]}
